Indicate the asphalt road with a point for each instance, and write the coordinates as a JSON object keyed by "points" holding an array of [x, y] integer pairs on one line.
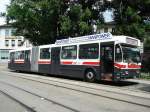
{"points": [[25, 92], [7, 104]]}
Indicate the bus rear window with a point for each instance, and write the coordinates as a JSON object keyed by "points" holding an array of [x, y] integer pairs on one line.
{"points": [[19, 55], [89, 51]]}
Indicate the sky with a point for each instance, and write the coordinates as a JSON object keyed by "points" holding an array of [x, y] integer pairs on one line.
{"points": [[4, 3], [108, 15]]}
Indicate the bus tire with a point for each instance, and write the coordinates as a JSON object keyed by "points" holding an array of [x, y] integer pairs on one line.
{"points": [[90, 76]]}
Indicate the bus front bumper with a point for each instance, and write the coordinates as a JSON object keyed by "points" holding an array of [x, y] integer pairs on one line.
{"points": [[121, 74]]}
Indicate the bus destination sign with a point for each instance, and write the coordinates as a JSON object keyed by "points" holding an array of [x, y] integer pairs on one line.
{"points": [[131, 41], [102, 36]]}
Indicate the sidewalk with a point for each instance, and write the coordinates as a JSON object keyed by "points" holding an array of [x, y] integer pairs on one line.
{"points": [[3, 65], [140, 81]]}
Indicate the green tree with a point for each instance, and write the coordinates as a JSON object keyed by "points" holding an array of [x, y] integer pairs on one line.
{"points": [[132, 18], [81, 15], [129, 16], [65, 23], [44, 21], [36, 20]]}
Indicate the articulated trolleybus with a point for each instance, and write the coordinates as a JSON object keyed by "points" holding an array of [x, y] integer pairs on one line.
{"points": [[93, 57]]}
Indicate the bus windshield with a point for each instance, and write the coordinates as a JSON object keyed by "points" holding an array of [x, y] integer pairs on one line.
{"points": [[131, 55]]}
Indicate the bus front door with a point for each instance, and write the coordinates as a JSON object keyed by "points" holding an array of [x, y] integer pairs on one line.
{"points": [[107, 60]]}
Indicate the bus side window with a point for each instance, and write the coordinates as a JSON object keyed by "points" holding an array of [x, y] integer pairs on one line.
{"points": [[69, 52], [21, 55], [27, 55], [45, 53], [17, 55], [118, 54], [89, 51]]}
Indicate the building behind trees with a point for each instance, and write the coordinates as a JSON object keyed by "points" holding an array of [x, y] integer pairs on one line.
{"points": [[9, 41]]}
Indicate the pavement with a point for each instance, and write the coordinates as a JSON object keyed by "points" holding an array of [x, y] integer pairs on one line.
{"points": [[9, 105], [3, 65], [142, 81], [52, 94], [58, 96]]}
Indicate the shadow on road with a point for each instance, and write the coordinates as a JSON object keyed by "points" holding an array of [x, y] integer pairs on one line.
{"points": [[147, 88], [111, 83], [122, 84], [119, 83]]}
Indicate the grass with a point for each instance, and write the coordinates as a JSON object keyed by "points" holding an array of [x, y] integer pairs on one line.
{"points": [[145, 76]]}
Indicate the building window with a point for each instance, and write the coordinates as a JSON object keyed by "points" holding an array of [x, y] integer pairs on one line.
{"points": [[89, 51], [105, 30], [69, 52], [12, 43], [4, 54], [113, 30], [13, 31], [6, 32], [19, 42], [7, 43]]}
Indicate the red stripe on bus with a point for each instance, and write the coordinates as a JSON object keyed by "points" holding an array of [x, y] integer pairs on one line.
{"points": [[44, 62], [67, 62], [129, 66], [91, 63], [119, 65], [19, 62], [82, 63], [134, 66]]}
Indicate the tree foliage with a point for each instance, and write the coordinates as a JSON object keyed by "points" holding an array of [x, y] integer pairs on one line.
{"points": [[35, 19], [129, 16], [44, 21], [80, 17]]}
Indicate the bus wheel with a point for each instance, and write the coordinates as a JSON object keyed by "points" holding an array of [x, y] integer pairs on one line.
{"points": [[90, 76]]}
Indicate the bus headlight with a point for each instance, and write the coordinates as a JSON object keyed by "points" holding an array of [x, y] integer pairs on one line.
{"points": [[126, 72], [137, 71]]}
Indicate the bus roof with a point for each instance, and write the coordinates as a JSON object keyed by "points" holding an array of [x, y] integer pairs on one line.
{"points": [[103, 37], [21, 49]]}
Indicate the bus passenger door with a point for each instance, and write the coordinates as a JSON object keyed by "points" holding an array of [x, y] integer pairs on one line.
{"points": [[11, 60], [55, 60], [107, 60], [27, 60]]}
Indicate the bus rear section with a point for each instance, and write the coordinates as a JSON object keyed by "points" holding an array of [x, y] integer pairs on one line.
{"points": [[20, 59]]}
